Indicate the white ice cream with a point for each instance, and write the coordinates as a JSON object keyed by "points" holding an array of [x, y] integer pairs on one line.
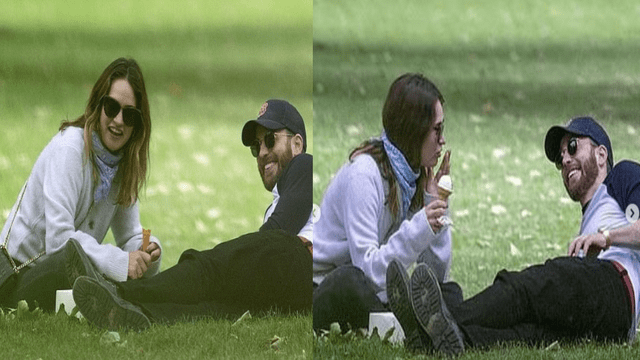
{"points": [[446, 183]]}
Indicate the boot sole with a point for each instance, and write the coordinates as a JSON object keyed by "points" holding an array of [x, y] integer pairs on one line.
{"points": [[105, 310], [432, 313], [398, 295]]}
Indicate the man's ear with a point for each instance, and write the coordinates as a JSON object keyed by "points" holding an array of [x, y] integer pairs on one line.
{"points": [[601, 155], [297, 144]]}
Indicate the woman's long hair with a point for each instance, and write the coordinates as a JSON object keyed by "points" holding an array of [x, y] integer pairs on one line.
{"points": [[407, 115], [132, 169]]}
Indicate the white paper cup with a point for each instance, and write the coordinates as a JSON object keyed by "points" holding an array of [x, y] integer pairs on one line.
{"points": [[385, 321], [66, 297]]}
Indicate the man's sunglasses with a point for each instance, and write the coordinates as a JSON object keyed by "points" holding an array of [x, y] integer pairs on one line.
{"points": [[130, 115], [269, 141], [572, 147]]}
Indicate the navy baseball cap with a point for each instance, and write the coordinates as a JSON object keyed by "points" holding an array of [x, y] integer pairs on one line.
{"points": [[579, 126], [275, 115]]}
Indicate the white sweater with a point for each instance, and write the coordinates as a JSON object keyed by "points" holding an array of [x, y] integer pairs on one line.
{"points": [[58, 205], [356, 228]]}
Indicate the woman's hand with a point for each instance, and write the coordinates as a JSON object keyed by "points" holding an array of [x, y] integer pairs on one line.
{"points": [[138, 263], [154, 250], [432, 181], [435, 210]]}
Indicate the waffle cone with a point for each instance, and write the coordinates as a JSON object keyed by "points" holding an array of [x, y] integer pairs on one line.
{"points": [[443, 193]]}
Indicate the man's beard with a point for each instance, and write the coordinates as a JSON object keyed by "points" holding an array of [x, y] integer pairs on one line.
{"points": [[588, 177], [282, 161]]}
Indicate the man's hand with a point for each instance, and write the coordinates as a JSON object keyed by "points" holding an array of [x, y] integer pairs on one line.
{"points": [[138, 263], [432, 181], [589, 244], [154, 250]]}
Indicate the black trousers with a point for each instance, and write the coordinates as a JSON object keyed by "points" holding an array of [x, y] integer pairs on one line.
{"points": [[38, 284], [262, 271], [347, 296], [565, 298]]}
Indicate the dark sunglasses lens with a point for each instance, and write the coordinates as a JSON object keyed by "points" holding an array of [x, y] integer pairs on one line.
{"points": [[131, 116], [111, 107], [572, 146], [255, 149], [269, 140]]}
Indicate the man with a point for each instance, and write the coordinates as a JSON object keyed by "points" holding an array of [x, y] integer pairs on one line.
{"points": [[269, 269], [572, 297]]}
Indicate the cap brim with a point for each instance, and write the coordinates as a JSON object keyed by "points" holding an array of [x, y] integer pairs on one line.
{"points": [[249, 129], [552, 142], [553, 139]]}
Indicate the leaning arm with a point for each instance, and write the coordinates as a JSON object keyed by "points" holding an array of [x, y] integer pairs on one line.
{"points": [[627, 236]]}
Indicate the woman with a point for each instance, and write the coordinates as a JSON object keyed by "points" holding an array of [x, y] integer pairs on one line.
{"points": [[85, 182], [382, 205]]}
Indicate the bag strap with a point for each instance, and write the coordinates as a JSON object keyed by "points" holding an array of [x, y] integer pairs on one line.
{"points": [[4, 247]]}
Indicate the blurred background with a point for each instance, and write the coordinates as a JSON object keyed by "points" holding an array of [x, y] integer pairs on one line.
{"points": [[208, 67]]}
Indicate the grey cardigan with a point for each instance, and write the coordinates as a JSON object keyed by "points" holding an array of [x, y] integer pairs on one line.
{"points": [[58, 205], [357, 228]]}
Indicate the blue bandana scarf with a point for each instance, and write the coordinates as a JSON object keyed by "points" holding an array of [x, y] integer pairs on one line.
{"points": [[107, 165], [405, 176]]}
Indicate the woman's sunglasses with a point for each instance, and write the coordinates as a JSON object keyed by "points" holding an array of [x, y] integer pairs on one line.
{"points": [[572, 147], [130, 115], [269, 142]]}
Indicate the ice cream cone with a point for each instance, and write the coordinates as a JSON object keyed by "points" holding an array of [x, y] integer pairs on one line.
{"points": [[443, 193], [445, 187], [145, 239]]}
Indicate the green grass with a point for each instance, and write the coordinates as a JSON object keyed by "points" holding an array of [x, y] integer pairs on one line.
{"points": [[63, 337], [208, 67], [508, 71], [374, 348]]}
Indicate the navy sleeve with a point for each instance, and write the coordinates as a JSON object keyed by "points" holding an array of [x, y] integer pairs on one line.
{"points": [[623, 183], [295, 187]]}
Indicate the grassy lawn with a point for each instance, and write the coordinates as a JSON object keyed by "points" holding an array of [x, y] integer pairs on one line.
{"points": [[208, 67], [63, 337], [508, 71]]}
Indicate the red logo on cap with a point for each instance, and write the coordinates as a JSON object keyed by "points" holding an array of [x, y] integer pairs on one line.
{"points": [[263, 109]]}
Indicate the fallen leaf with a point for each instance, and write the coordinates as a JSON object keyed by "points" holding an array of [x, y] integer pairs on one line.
{"points": [[483, 243], [515, 181], [514, 250], [110, 337], [334, 329], [23, 309], [274, 343], [498, 209], [554, 346], [245, 316]]}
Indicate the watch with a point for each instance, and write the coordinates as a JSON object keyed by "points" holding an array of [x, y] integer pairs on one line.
{"points": [[607, 239]]}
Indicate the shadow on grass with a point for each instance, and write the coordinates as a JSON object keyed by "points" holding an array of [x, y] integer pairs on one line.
{"points": [[546, 80], [234, 61]]}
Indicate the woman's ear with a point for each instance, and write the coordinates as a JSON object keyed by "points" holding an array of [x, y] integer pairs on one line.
{"points": [[297, 144]]}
